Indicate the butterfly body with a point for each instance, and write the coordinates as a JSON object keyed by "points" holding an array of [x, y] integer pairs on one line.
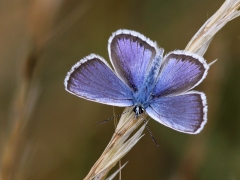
{"points": [[144, 78], [143, 97]]}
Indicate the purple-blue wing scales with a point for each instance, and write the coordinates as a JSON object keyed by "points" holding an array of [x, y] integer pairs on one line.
{"points": [[180, 71], [131, 55], [92, 79], [186, 113]]}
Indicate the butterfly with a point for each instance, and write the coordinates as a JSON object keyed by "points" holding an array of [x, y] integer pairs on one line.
{"points": [[144, 78]]}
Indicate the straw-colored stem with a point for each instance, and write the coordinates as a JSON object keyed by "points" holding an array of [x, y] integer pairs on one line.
{"points": [[22, 108], [126, 125], [42, 33], [201, 40]]}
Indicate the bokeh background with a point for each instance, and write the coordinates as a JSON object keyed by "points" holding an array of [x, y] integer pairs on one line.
{"points": [[39, 42]]}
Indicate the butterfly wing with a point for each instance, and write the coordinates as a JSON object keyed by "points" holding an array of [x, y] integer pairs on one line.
{"points": [[131, 54], [185, 113], [92, 79], [180, 71]]}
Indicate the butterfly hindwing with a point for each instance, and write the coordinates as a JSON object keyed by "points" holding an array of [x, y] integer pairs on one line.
{"points": [[185, 113]]}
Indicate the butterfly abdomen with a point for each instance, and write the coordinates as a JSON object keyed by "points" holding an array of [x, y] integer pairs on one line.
{"points": [[143, 95]]}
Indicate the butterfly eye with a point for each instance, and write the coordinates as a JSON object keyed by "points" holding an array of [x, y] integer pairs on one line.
{"points": [[138, 110]]}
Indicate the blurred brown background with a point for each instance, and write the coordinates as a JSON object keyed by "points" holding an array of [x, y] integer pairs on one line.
{"points": [[39, 42]]}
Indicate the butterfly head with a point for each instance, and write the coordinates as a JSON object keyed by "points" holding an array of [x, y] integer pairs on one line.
{"points": [[138, 109]]}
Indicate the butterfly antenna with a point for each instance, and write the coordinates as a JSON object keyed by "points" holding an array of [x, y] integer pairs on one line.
{"points": [[116, 116], [154, 140]]}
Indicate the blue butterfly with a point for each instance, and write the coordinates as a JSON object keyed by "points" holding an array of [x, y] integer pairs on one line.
{"points": [[144, 78]]}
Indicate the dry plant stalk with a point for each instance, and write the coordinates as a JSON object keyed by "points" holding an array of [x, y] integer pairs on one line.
{"points": [[27, 91], [40, 27], [201, 40], [118, 146]]}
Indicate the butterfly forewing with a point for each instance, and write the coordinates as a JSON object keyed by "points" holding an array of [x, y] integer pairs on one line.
{"points": [[180, 72], [92, 79], [131, 54]]}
